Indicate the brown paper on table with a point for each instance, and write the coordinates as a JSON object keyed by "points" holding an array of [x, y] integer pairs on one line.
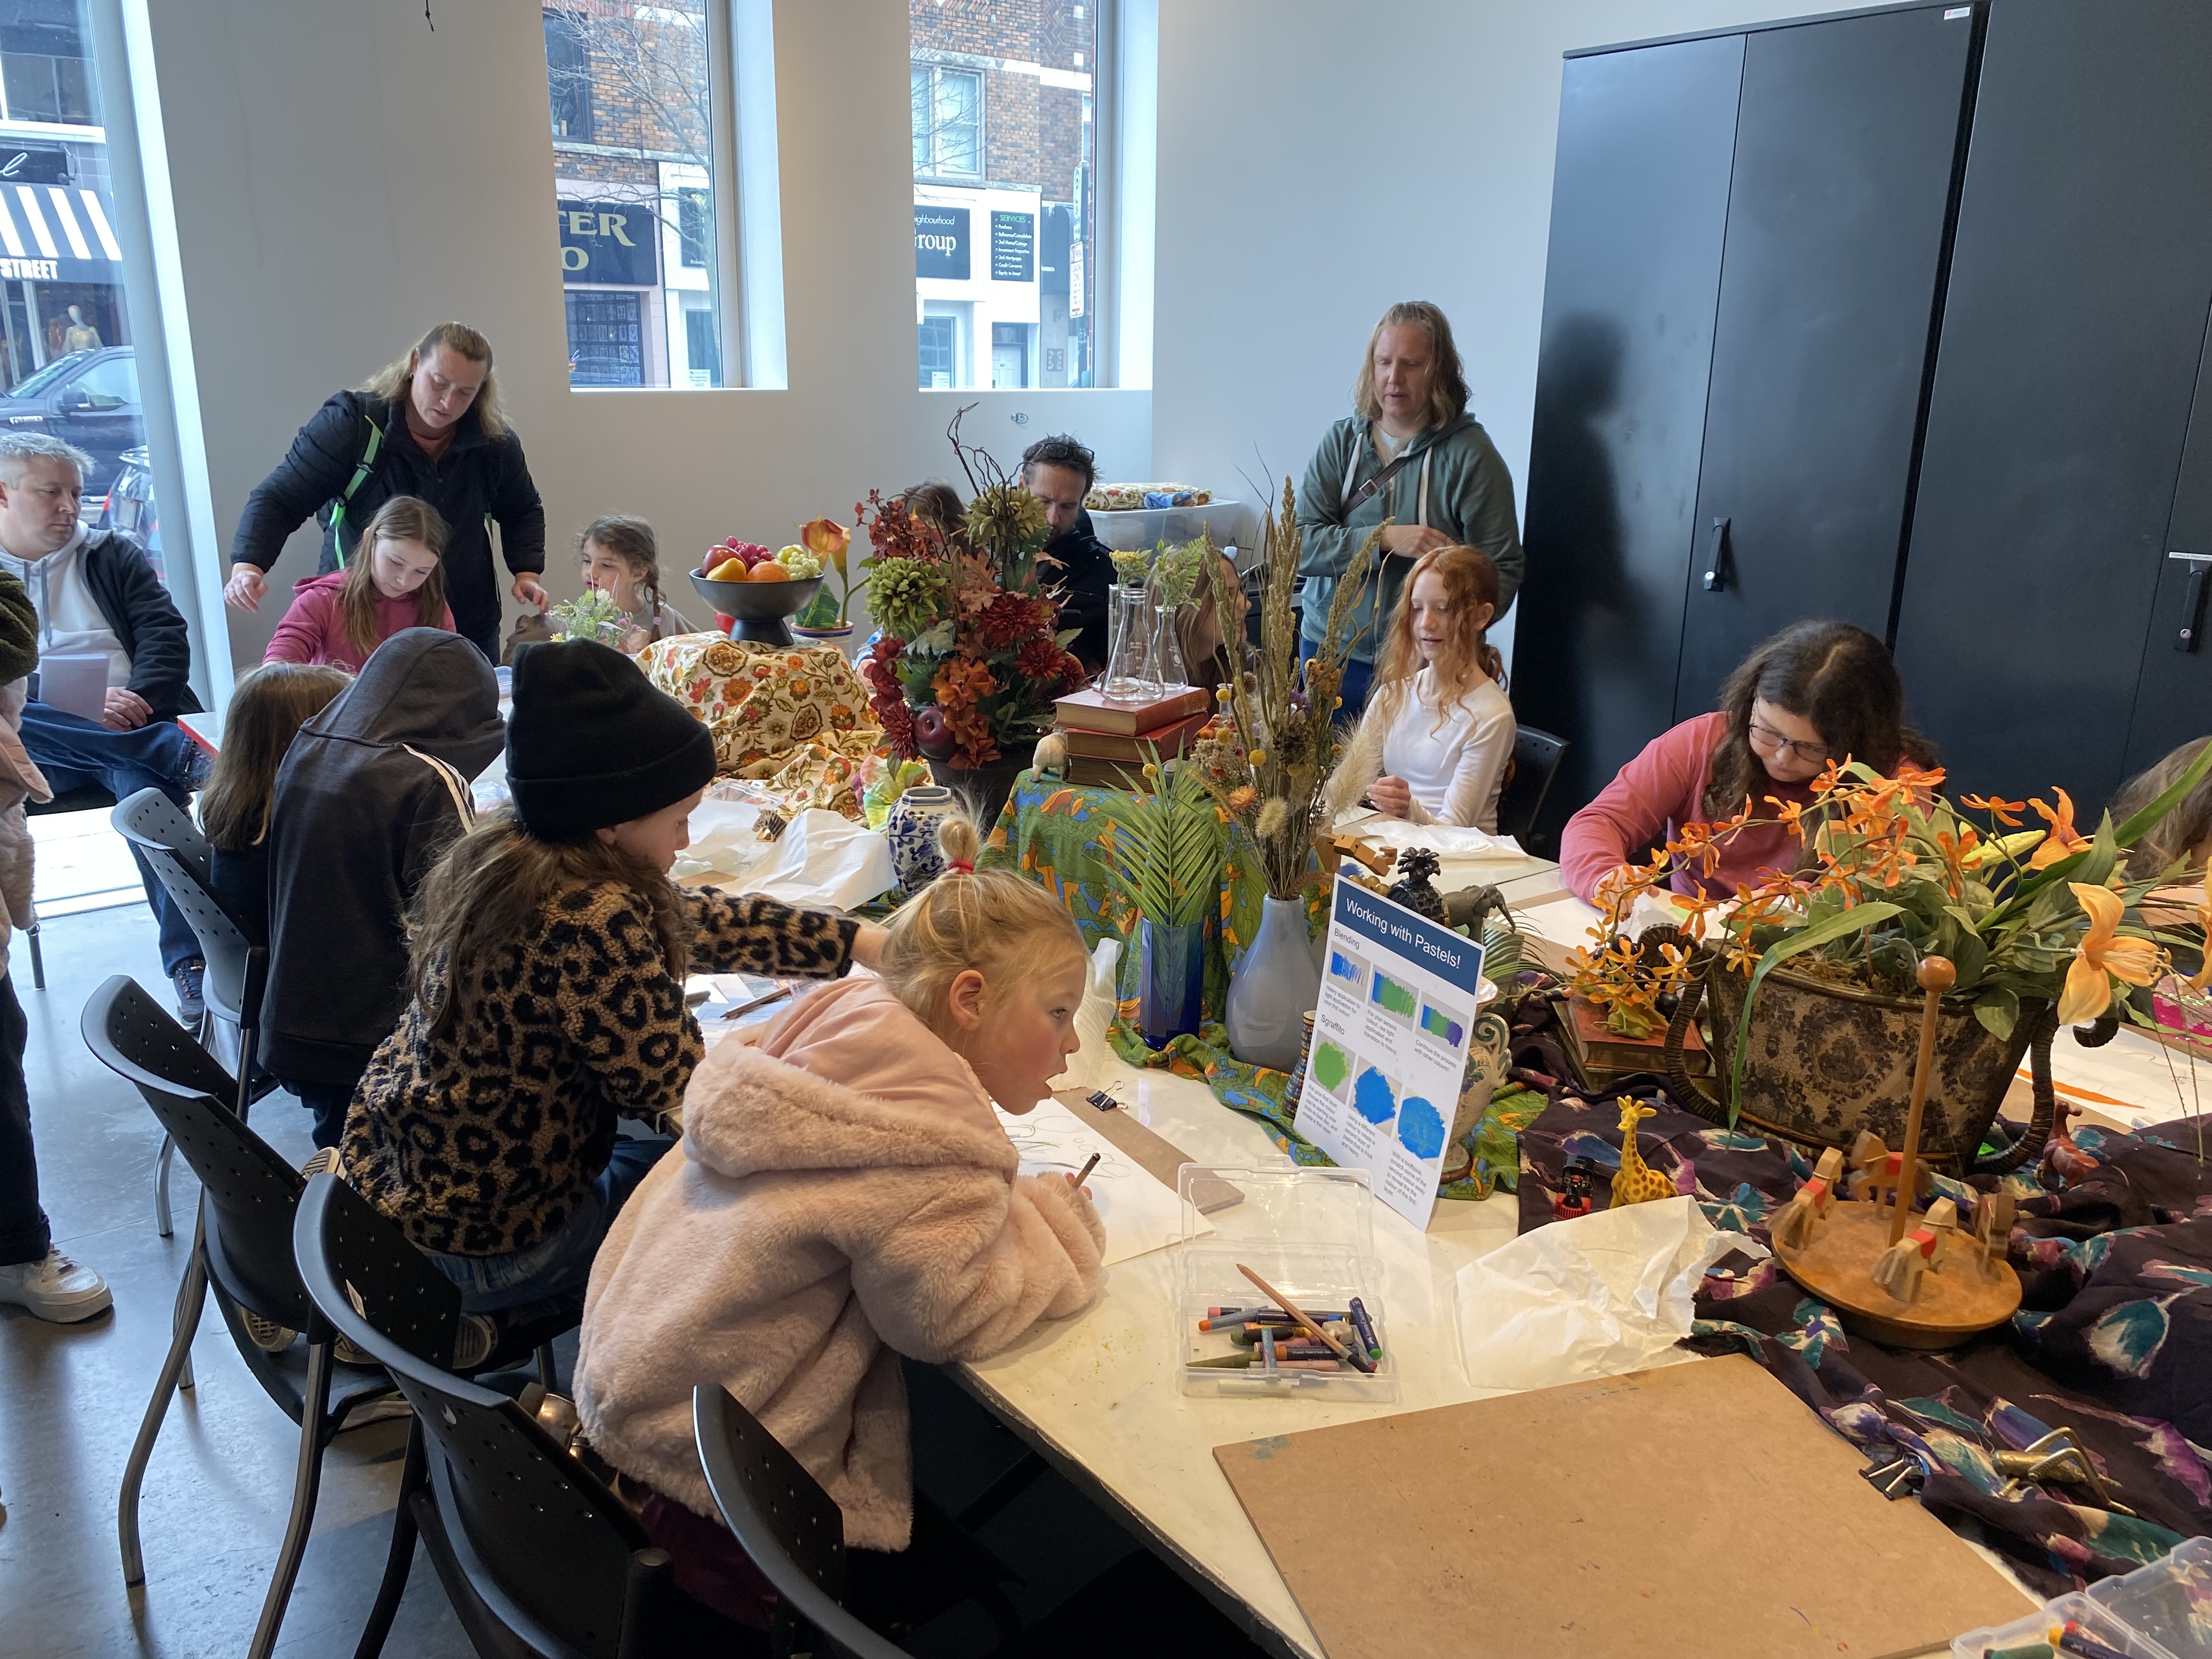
{"points": [[1697, 1509]]}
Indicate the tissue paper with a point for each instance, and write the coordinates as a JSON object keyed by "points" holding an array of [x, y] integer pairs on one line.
{"points": [[1606, 1293], [824, 859]]}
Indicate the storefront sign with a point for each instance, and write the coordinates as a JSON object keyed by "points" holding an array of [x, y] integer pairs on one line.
{"points": [[1014, 247], [33, 271], [33, 164], [940, 242], [610, 242], [1076, 288]]}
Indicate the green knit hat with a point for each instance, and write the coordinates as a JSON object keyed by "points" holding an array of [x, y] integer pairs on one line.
{"points": [[19, 631]]}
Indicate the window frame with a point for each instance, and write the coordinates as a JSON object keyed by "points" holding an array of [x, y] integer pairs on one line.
{"points": [[937, 172]]}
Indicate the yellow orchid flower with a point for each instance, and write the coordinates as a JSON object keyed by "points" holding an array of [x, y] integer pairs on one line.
{"points": [[2102, 956], [2063, 840], [1999, 848]]}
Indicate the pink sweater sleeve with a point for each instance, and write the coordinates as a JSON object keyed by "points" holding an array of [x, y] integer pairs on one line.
{"points": [[307, 627], [1631, 814]]}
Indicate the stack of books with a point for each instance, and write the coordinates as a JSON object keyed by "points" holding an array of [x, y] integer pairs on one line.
{"points": [[1600, 1056], [1107, 739]]}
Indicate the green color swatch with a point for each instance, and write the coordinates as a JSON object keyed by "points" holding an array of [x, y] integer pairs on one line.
{"points": [[1396, 998], [1331, 1066]]}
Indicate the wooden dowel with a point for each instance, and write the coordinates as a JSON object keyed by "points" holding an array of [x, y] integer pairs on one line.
{"points": [[1936, 975]]}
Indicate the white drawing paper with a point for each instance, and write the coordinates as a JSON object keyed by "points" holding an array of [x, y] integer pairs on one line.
{"points": [[1141, 1214]]}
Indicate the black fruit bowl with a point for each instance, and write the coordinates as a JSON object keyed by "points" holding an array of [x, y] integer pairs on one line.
{"points": [[762, 609]]}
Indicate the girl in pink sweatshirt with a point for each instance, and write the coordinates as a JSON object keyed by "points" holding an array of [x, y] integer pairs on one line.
{"points": [[1815, 692], [844, 1194], [397, 580]]}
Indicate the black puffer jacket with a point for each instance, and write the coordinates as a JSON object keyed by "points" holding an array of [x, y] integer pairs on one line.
{"points": [[360, 818], [476, 477]]}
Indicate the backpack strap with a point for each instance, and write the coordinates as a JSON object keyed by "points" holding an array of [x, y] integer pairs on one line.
{"points": [[361, 470], [456, 785]]}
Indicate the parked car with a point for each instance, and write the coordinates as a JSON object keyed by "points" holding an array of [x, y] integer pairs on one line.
{"points": [[89, 398], [129, 510]]}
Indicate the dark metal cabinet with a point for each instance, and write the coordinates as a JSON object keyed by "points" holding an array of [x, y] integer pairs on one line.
{"points": [[2073, 331], [2173, 698], [1638, 212], [1845, 144]]}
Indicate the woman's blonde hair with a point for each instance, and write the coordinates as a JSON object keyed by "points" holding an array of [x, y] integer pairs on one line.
{"points": [[267, 710], [1470, 581], [2183, 835], [390, 382], [401, 519], [486, 896], [999, 923], [1446, 381]]}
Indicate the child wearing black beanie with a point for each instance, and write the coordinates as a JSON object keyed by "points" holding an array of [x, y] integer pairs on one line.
{"points": [[548, 953]]}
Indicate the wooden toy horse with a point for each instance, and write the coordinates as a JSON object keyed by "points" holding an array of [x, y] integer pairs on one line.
{"points": [[1794, 1222], [1899, 1268], [1993, 1228]]}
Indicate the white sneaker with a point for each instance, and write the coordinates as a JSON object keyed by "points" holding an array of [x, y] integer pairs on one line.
{"points": [[55, 1289]]}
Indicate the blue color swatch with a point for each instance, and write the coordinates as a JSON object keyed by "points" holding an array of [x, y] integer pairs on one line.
{"points": [[1439, 1024], [1373, 1098], [1420, 1130], [1342, 967]]}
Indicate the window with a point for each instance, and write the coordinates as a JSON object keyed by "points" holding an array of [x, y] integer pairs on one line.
{"points": [[606, 338], [634, 190], [948, 120], [569, 76], [43, 73], [1005, 211], [109, 384]]}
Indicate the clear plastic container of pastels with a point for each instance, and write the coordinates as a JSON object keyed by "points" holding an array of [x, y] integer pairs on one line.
{"points": [[2163, 1611], [1310, 1234]]}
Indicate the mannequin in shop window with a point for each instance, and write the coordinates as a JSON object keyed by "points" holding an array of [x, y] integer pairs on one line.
{"points": [[79, 336]]}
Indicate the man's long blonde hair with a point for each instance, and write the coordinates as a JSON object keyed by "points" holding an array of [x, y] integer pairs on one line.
{"points": [[390, 382], [1447, 393]]}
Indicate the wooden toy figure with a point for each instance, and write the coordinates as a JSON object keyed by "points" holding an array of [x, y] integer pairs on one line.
{"points": [[1638, 1182], [1793, 1224], [1993, 1228], [1879, 1169]]}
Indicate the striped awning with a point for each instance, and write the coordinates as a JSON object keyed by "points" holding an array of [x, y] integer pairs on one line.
{"points": [[57, 233]]}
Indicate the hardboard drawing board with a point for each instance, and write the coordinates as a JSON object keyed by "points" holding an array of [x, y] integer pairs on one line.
{"points": [[1694, 1511]]}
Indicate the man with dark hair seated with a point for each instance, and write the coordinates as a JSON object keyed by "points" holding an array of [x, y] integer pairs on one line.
{"points": [[97, 596], [1059, 472]]}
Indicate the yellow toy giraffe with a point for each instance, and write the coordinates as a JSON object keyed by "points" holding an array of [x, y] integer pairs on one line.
{"points": [[1638, 1182]]}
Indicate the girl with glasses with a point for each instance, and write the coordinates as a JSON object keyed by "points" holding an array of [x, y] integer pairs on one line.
{"points": [[1817, 691]]}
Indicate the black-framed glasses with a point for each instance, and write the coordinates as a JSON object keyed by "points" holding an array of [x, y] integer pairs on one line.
{"points": [[1812, 754]]}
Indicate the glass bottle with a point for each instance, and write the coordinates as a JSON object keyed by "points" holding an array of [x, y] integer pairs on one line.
{"points": [[1130, 627]]}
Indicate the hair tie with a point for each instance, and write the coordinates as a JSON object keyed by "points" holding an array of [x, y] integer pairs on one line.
{"points": [[962, 864]]}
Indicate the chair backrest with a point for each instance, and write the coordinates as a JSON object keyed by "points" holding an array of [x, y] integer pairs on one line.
{"points": [[1536, 757], [782, 1517], [251, 1189], [566, 1567], [181, 860]]}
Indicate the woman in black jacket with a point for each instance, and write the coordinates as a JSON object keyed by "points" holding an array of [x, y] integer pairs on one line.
{"points": [[428, 425]]}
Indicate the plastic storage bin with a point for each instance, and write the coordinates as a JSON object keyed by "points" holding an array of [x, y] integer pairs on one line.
{"points": [[1309, 1233], [2163, 1611]]}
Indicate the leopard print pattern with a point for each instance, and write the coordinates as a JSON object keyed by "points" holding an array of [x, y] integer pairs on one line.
{"points": [[484, 1142]]}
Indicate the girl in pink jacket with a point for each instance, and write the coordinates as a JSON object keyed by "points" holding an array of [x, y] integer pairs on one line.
{"points": [[397, 580], [844, 1194]]}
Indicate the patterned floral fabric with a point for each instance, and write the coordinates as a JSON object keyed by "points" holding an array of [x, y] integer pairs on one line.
{"points": [[796, 717], [2113, 1340]]}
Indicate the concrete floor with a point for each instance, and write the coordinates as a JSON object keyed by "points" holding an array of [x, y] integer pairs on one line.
{"points": [[218, 1489]]}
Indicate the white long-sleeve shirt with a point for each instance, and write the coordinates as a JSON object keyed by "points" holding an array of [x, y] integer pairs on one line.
{"points": [[1454, 759]]}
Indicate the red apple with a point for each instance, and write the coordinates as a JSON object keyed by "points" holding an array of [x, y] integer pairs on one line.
{"points": [[933, 733]]}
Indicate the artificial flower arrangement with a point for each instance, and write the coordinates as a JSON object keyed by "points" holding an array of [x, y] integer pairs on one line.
{"points": [[590, 615], [1273, 742], [971, 656], [825, 543], [1895, 872]]}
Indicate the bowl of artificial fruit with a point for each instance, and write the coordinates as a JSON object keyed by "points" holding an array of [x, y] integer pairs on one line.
{"points": [[755, 591]]}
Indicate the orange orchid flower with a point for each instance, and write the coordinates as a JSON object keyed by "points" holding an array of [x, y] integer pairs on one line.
{"points": [[2102, 956], [2202, 978], [2004, 811], [1787, 813], [2062, 840]]}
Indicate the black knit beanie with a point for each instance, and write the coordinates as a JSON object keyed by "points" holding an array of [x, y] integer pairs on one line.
{"points": [[591, 743]]}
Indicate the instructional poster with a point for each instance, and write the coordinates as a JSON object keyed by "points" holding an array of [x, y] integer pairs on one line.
{"points": [[1398, 995]]}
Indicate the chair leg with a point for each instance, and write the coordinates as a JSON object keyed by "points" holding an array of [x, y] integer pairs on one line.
{"points": [[162, 1225], [38, 960], [314, 1428], [184, 1316], [189, 1296], [412, 1477]]}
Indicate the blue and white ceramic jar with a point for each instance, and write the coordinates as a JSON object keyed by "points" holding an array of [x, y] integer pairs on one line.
{"points": [[912, 831]]}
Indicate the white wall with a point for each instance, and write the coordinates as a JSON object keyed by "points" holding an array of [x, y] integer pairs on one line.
{"points": [[344, 176], [1318, 161]]}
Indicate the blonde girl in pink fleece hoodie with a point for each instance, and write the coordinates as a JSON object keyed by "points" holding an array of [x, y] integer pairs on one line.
{"points": [[843, 1195]]}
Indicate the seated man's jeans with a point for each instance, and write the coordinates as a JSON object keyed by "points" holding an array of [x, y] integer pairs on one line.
{"points": [[549, 1278], [75, 753]]}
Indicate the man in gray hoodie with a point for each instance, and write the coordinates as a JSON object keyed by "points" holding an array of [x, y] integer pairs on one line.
{"points": [[1412, 454]]}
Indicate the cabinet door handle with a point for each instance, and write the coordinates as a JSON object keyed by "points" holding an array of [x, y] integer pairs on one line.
{"points": [[1716, 557], [2191, 636]]}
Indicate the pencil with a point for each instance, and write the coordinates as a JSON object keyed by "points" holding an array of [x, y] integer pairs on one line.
{"points": [[1360, 1361]]}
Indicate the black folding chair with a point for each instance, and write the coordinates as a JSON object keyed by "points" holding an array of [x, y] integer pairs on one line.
{"points": [[1536, 757], [243, 1253], [90, 799], [536, 1554]]}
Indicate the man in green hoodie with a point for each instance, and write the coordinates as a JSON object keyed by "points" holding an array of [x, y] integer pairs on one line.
{"points": [[1410, 453]]}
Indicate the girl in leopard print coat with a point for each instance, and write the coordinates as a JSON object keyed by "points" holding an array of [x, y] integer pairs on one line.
{"points": [[549, 951]]}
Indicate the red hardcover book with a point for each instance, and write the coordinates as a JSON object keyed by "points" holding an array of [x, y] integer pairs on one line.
{"points": [[1092, 711]]}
